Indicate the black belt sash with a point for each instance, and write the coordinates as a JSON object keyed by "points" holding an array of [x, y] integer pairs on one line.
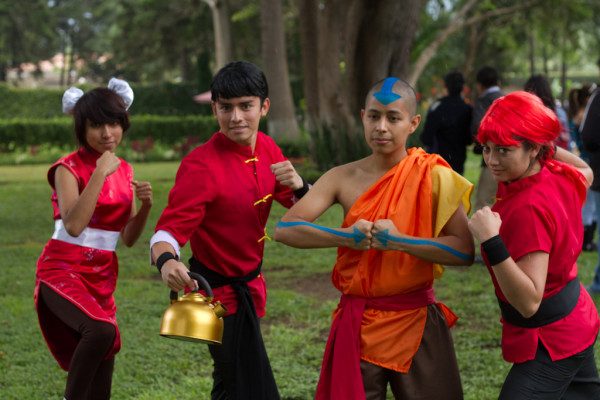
{"points": [[216, 280], [254, 376], [551, 310]]}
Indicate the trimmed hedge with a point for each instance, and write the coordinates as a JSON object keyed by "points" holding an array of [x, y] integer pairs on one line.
{"points": [[157, 99], [21, 133]]}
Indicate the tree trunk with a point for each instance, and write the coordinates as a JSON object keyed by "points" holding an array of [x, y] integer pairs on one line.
{"points": [[309, 39], [282, 121], [374, 54], [71, 66], [476, 35], [333, 96], [222, 32], [185, 65], [545, 59], [531, 54]]}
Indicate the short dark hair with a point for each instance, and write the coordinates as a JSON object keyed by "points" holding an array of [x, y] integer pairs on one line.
{"points": [[488, 77], [101, 106], [454, 82], [239, 79]]}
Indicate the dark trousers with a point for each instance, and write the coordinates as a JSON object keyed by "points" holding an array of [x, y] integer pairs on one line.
{"points": [[258, 381], [90, 375], [572, 378]]}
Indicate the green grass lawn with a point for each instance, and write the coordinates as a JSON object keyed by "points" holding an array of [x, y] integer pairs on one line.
{"points": [[150, 367]]}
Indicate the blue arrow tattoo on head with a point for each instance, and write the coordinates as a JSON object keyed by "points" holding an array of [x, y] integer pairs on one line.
{"points": [[357, 235], [385, 96], [384, 237]]}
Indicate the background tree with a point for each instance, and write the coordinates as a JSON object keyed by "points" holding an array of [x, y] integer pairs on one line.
{"points": [[222, 32], [334, 49], [26, 34], [282, 121], [161, 39]]}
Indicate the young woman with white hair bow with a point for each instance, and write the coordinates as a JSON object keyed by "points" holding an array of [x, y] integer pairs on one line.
{"points": [[93, 202]]}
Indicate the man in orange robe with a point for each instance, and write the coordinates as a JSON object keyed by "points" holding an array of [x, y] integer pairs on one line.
{"points": [[405, 215]]}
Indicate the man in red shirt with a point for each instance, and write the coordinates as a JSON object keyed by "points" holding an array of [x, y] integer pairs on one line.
{"points": [[220, 202]]}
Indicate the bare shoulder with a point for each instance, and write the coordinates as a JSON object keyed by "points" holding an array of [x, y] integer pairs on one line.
{"points": [[342, 174], [347, 182]]}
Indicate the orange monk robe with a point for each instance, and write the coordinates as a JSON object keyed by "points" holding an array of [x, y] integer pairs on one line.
{"points": [[419, 195]]}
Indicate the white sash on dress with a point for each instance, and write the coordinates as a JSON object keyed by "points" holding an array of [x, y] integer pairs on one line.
{"points": [[90, 237]]}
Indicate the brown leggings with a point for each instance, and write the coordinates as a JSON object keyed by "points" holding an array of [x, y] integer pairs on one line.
{"points": [[433, 373], [90, 375]]}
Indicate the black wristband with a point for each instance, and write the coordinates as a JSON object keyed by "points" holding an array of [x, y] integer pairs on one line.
{"points": [[303, 190], [495, 250], [163, 258]]}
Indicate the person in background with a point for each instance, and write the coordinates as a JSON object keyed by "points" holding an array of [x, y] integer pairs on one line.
{"points": [[531, 239], [404, 215], [487, 82], [578, 98], [447, 126], [93, 201], [590, 136], [540, 86], [220, 203]]}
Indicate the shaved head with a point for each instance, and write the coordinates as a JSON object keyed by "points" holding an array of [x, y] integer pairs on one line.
{"points": [[394, 86]]}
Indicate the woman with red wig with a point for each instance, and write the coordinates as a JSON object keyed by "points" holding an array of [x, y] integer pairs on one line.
{"points": [[530, 241]]}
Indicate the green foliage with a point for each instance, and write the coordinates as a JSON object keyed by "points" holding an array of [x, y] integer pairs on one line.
{"points": [[152, 39], [20, 133], [162, 98], [28, 103], [26, 33], [165, 98]]}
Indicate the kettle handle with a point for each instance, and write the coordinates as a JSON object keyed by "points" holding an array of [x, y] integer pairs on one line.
{"points": [[201, 281]]}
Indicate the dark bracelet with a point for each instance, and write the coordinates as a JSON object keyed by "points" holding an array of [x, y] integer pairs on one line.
{"points": [[163, 258], [495, 250], [303, 190]]}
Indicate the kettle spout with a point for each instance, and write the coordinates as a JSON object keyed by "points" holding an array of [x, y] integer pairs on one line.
{"points": [[219, 309]]}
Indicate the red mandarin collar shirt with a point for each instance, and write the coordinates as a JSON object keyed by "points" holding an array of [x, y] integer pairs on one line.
{"points": [[548, 206], [220, 203]]}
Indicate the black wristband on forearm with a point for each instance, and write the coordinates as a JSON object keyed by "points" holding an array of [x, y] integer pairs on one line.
{"points": [[163, 258], [303, 190], [495, 250]]}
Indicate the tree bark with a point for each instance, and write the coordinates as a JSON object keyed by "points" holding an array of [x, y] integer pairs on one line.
{"points": [[476, 35], [185, 65], [531, 54], [282, 121], [222, 32], [333, 97], [309, 39]]}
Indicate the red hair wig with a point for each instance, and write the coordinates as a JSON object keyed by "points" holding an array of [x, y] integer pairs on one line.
{"points": [[520, 117]]}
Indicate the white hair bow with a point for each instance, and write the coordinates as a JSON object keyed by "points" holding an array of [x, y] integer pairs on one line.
{"points": [[120, 87]]}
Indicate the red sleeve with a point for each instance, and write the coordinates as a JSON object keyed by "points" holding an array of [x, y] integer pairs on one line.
{"points": [[519, 241], [194, 188], [283, 194], [69, 166]]}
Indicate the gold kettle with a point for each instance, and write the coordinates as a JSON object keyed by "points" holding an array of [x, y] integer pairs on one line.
{"points": [[193, 317]]}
